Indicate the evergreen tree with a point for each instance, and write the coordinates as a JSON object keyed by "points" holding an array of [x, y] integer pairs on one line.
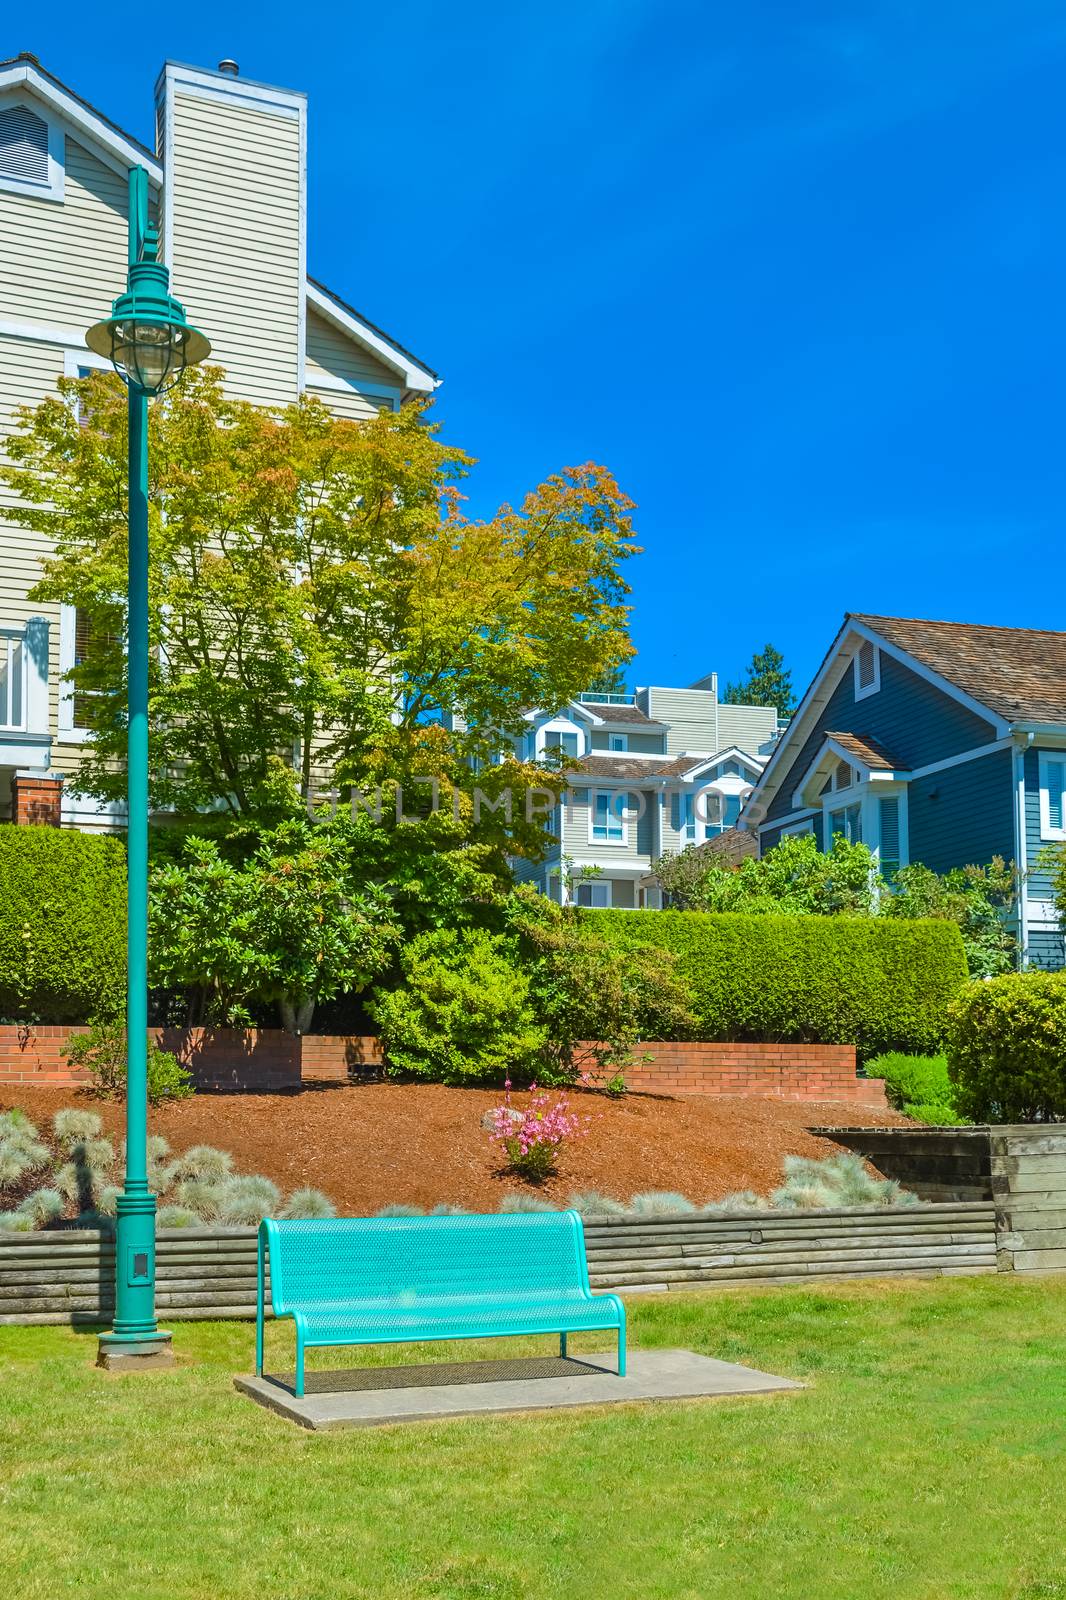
{"points": [[768, 683]]}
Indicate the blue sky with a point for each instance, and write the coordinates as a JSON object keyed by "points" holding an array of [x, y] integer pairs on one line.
{"points": [[794, 271]]}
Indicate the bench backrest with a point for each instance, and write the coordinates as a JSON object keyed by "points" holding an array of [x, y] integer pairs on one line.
{"points": [[404, 1259]]}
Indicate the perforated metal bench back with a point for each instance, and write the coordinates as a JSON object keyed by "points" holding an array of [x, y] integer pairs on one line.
{"points": [[405, 1259]]}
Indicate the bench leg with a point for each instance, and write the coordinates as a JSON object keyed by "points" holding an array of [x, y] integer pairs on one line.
{"points": [[562, 1344], [622, 1351], [299, 1365]]}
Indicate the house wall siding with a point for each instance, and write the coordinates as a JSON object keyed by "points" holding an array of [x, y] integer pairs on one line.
{"points": [[234, 193], [1046, 945], [690, 715], [575, 834], [915, 721], [62, 263], [963, 815], [747, 727], [649, 744], [331, 354]]}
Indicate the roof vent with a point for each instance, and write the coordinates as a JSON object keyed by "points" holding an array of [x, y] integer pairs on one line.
{"points": [[230, 68]]}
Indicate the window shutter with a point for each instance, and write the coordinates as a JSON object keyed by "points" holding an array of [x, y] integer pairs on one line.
{"points": [[889, 805], [23, 145], [867, 665], [1056, 782]]}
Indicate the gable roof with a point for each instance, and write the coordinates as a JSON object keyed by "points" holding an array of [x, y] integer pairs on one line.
{"points": [[1019, 673], [868, 751], [630, 715], [25, 71], [636, 768]]}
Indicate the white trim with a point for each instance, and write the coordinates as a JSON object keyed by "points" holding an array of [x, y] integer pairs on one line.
{"points": [[73, 359], [206, 84], [383, 391], [1046, 829], [53, 188], [832, 746], [945, 685], [836, 663], [41, 333], [301, 286], [124, 152], [967, 755], [1021, 848], [790, 816], [415, 377], [875, 686]]}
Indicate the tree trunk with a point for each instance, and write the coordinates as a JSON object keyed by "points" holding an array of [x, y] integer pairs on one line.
{"points": [[296, 1018]]}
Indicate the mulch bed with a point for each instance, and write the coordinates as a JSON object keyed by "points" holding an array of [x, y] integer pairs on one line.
{"points": [[367, 1145]]}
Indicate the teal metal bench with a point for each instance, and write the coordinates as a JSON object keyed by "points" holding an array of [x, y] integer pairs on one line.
{"points": [[393, 1280]]}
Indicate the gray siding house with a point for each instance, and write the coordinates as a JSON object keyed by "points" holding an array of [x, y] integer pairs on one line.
{"points": [[939, 742], [657, 770]]}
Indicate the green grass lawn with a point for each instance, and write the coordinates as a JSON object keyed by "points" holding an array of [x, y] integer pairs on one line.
{"points": [[926, 1461]]}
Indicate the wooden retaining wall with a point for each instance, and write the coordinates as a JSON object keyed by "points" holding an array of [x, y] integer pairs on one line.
{"points": [[1029, 1186], [67, 1276], [797, 1247]]}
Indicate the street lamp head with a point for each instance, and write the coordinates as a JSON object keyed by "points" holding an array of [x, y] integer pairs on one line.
{"points": [[147, 336]]}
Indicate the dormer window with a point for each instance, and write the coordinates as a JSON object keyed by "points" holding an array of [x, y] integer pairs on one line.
{"points": [[31, 152], [618, 741], [867, 668]]}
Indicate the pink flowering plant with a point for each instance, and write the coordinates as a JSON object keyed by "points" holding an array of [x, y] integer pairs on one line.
{"points": [[532, 1138]]}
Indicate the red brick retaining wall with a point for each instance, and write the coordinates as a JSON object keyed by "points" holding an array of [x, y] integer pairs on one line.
{"points": [[225, 1059], [769, 1071]]}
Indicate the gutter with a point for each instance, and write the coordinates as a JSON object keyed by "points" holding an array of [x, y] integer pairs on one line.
{"points": [[1024, 740]]}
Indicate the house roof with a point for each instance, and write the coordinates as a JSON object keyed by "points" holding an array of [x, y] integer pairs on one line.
{"points": [[1019, 673], [343, 305], [637, 767], [734, 845], [868, 751], [630, 715], [123, 147]]}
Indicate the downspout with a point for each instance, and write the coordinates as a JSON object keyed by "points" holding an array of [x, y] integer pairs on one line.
{"points": [[1020, 851]]}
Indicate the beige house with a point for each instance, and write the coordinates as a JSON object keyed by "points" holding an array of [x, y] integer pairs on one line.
{"points": [[228, 177], [657, 770]]}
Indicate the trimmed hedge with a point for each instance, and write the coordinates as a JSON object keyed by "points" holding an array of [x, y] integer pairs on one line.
{"points": [[1007, 1048], [877, 983], [62, 924]]}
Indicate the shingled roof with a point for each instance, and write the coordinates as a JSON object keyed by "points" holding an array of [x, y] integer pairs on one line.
{"points": [[1019, 673], [637, 767], [868, 751], [620, 713]]}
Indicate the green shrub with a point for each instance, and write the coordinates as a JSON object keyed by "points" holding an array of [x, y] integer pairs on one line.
{"points": [[877, 983], [62, 924], [919, 1086], [1007, 1048], [101, 1051], [463, 1013]]}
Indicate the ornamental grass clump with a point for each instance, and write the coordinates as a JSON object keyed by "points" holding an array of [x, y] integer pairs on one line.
{"points": [[532, 1138], [660, 1203]]}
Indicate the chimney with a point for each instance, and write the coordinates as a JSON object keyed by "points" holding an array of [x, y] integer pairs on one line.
{"points": [[230, 68]]}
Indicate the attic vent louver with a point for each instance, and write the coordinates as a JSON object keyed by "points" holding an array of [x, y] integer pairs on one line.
{"points": [[23, 145], [867, 665]]}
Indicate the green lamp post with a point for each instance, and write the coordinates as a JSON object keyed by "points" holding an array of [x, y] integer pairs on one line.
{"points": [[150, 344]]}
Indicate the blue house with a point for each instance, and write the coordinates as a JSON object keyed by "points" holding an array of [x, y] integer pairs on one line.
{"points": [[939, 742]]}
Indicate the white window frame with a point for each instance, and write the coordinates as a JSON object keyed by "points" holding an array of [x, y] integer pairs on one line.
{"points": [[543, 741], [1046, 830], [875, 686], [795, 829], [622, 815], [15, 634], [592, 884], [55, 186]]}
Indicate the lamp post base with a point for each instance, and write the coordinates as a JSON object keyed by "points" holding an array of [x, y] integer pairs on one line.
{"points": [[152, 1354]]}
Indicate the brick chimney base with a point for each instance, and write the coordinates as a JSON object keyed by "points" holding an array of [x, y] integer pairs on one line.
{"points": [[36, 799]]}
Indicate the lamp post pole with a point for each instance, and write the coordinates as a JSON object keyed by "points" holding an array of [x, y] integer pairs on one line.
{"points": [[150, 343]]}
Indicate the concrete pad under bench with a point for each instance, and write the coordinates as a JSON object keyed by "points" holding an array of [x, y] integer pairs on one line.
{"points": [[370, 1396]]}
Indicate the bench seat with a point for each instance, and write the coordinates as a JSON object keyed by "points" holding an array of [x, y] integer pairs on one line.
{"points": [[389, 1280]]}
